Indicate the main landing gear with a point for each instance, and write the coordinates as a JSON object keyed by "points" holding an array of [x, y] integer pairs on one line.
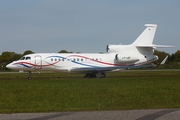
{"points": [[95, 75]]}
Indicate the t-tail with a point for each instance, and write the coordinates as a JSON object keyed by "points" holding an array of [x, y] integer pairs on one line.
{"points": [[141, 51], [144, 43], [147, 36]]}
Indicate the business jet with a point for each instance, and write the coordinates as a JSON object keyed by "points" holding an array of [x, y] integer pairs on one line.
{"points": [[118, 57]]}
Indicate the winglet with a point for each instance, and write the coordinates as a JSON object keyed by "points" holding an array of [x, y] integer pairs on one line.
{"points": [[164, 60]]}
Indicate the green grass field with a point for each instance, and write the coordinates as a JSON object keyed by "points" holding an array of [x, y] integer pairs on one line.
{"points": [[50, 92]]}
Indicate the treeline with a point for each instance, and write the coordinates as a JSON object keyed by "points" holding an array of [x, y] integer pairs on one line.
{"points": [[173, 61]]}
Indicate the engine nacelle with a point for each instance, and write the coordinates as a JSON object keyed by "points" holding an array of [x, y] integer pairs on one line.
{"points": [[126, 58], [114, 48]]}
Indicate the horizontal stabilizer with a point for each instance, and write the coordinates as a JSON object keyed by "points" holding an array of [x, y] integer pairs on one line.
{"points": [[155, 46]]}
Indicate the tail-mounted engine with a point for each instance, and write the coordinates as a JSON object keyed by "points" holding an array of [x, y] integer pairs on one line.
{"points": [[112, 48], [125, 58]]}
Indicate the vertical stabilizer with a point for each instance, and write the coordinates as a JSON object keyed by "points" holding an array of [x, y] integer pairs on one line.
{"points": [[147, 36]]}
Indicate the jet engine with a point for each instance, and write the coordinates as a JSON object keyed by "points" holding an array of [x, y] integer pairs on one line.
{"points": [[125, 58], [113, 48]]}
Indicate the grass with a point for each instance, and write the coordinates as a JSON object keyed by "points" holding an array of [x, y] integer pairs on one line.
{"points": [[118, 91]]}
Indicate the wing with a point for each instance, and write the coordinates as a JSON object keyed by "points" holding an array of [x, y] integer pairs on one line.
{"points": [[105, 69]]}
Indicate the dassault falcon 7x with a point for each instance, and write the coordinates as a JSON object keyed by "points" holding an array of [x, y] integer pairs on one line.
{"points": [[118, 57]]}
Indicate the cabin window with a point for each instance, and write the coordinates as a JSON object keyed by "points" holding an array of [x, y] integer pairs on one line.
{"points": [[51, 59], [55, 59], [81, 59]]}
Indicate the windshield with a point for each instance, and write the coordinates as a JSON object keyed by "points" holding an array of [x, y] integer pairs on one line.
{"points": [[26, 58]]}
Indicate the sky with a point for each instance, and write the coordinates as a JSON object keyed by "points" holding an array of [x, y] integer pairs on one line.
{"points": [[86, 26]]}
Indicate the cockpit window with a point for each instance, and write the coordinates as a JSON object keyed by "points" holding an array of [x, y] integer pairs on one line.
{"points": [[25, 58], [28, 58], [22, 58]]}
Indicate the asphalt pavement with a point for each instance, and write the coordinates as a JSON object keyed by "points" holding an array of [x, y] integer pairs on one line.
{"points": [[150, 114]]}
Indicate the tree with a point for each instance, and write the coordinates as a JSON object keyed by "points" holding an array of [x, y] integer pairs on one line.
{"points": [[172, 58], [177, 56], [63, 51], [7, 57], [17, 56], [27, 52]]}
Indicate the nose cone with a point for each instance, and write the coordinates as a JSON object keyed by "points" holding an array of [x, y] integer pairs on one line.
{"points": [[10, 66]]}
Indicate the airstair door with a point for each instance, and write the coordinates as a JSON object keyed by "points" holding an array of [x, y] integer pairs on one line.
{"points": [[38, 62]]}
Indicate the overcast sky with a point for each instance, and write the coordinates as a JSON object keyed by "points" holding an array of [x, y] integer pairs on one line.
{"points": [[85, 25]]}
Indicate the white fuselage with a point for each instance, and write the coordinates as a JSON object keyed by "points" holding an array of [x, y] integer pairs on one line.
{"points": [[82, 63]]}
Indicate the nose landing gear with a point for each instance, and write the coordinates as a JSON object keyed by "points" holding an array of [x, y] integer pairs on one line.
{"points": [[29, 75]]}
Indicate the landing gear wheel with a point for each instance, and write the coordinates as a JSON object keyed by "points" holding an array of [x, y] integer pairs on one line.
{"points": [[90, 75]]}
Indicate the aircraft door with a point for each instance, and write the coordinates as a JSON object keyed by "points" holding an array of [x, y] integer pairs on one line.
{"points": [[38, 62]]}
